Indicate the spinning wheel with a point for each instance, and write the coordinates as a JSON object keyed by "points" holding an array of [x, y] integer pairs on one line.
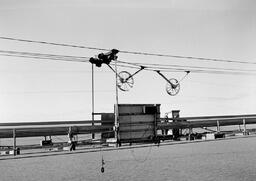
{"points": [[173, 87], [125, 81]]}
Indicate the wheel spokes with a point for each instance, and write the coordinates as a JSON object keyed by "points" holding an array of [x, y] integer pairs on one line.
{"points": [[125, 81], [172, 87]]}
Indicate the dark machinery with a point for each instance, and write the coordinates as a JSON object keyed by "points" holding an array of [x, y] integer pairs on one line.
{"points": [[125, 80]]}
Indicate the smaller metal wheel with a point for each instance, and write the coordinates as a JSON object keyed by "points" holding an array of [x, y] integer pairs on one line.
{"points": [[173, 87], [125, 81]]}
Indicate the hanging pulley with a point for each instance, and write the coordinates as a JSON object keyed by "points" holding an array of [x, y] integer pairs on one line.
{"points": [[125, 80], [172, 85]]}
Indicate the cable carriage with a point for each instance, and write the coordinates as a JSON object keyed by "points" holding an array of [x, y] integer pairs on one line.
{"points": [[125, 79]]}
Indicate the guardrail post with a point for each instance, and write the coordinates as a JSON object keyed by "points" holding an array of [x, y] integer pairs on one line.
{"points": [[190, 131], [218, 126], [245, 131], [14, 141]]}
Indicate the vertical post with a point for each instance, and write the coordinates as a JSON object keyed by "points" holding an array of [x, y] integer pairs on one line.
{"points": [[218, 126], [93, 135], [245, 132], [116, 111], [189, 133], [14, 141], [155, 130]]}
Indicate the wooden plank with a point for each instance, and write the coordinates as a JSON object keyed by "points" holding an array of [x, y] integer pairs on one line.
{"points": [[137, 127], [136, 135], [136, 118], [128, 109], [136, 108], [136, 123]]}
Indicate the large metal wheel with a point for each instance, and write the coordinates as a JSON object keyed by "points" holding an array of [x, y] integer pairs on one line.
{"points": [[173, 87], [125, 81]]}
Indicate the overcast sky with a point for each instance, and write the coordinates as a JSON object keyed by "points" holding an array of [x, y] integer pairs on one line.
{"points": [[45, 90]]}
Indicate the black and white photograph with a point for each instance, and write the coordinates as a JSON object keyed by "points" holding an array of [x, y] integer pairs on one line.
{"points": [[127, 90]]}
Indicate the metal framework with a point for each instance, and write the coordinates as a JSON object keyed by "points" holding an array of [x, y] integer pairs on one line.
{"points": [[27, 129]]}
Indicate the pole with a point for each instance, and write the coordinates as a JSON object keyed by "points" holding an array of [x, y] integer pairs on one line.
{"points": [[116, 110], [245, 131], [14, 142], [190, 130], [218, 126], [93, 135]]}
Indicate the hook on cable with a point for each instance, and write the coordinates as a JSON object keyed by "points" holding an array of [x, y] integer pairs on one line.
{"points": [[102, 165]]}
